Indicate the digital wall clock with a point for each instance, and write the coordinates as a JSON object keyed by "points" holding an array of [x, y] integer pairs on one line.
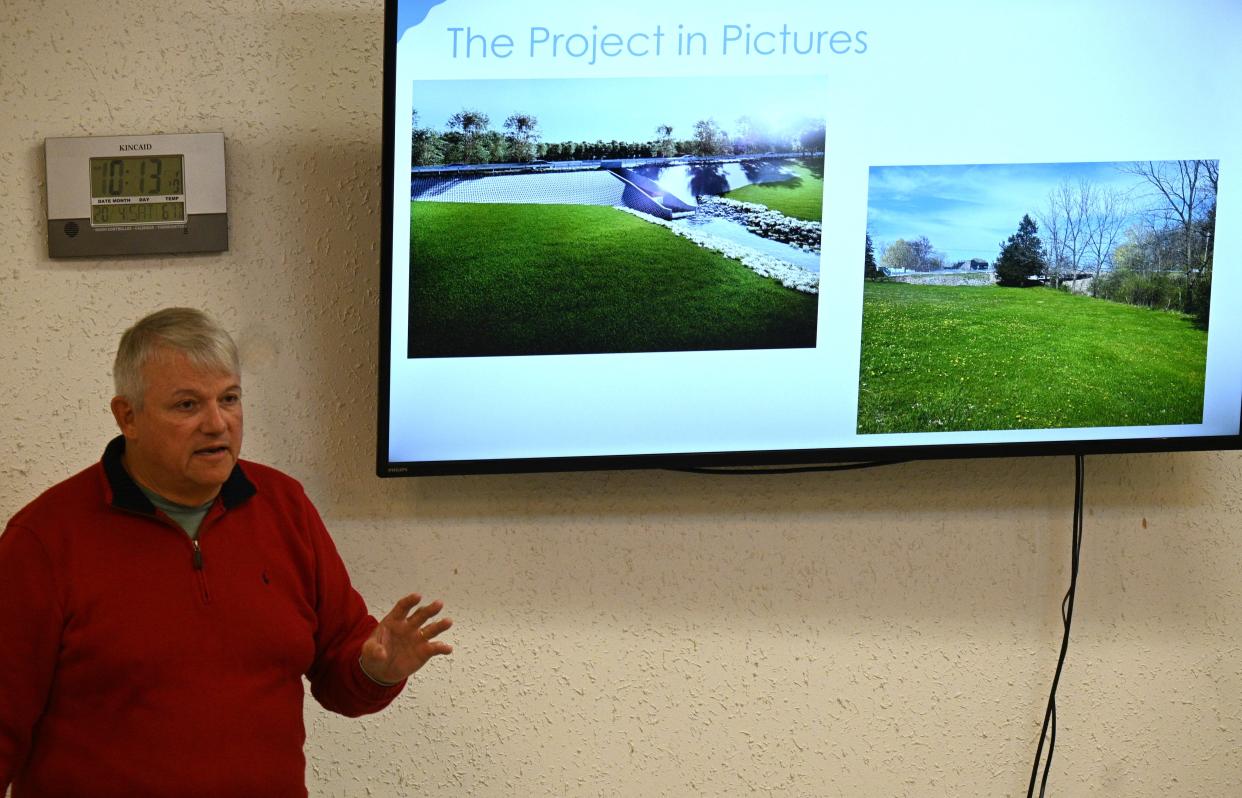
{"points": [[136, 195]]}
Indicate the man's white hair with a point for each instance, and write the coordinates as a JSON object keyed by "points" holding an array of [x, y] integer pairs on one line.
{"points": [[185, 330]]}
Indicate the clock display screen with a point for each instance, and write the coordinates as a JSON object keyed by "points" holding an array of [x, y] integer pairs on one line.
{"points": [[138, 213], [138, 190]]}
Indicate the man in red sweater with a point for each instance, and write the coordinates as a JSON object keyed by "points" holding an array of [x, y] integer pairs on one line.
{"points": [[159, 609]]}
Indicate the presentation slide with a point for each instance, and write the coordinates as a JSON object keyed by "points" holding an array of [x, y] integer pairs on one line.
{"points": [[648, 228]]}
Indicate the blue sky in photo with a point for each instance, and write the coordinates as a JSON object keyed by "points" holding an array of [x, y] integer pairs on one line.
{"points": [[967, 211], [625, 109]]}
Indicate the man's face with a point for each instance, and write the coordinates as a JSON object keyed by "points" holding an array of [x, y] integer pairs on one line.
{"points": [[185, 440]]}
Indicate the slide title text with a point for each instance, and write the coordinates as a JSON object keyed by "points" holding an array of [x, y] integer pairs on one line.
{"points": [[595, 46]]}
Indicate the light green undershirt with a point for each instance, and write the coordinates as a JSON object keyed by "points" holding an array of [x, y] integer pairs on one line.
{"points": [[188, 518]]}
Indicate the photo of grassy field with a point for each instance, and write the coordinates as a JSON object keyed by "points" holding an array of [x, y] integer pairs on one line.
{"points": [[1092, 312], [566, 286], [951, 358]]}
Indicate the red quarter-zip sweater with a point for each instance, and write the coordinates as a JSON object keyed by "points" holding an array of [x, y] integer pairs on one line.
{"points": [[133, 665]]}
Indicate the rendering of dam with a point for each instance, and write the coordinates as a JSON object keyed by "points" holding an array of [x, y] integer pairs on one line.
{"points": [[683, 194]]}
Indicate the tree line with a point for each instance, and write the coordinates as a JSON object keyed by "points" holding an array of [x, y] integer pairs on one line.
{"points": [[1088, 231], [468, 138], [917, 255]]}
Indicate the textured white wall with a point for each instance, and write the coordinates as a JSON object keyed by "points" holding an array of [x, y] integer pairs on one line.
{"points": [[887, 633]]}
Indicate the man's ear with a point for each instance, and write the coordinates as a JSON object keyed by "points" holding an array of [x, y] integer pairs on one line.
{"points": [[123, 411]]}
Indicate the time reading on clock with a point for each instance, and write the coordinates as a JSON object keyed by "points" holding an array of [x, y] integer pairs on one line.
{"points": [[137, 190]]}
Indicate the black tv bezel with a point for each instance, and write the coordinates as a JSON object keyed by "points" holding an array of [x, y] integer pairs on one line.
{"points": [[686, 460]]}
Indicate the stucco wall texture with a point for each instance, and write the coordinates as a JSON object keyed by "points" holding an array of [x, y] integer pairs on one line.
{"points": [[881, 633]]}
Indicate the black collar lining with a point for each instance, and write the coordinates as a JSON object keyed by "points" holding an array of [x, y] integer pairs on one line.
{"points": [[126, 495]]}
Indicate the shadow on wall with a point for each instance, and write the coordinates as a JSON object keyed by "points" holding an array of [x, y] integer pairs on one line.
{"points": [[935, 540], [970, 486], [318, 389]]}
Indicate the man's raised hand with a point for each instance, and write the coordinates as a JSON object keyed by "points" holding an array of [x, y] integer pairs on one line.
{"points": [[404, 641]]}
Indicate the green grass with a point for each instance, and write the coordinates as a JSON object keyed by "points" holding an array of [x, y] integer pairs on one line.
{"points": [[801, 196], [966, 358], [577, 279]]}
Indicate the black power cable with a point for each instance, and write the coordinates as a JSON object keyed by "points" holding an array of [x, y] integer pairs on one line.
{"points": [[1049, 730], [763, 470]]}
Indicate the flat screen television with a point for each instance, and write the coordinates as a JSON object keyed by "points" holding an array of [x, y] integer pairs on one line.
{"points": [[646, 234]]}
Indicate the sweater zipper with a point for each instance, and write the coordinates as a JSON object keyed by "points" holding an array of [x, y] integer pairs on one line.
{"points": [[196, 558], [202, 574]]}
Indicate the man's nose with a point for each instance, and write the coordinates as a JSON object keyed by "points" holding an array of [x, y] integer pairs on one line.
{"points": [[213, 418]]}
